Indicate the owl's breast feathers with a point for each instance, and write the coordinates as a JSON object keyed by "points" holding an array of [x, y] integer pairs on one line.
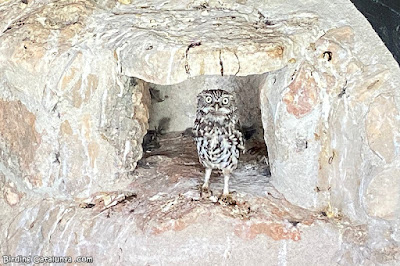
{"points": [[218, 142]]}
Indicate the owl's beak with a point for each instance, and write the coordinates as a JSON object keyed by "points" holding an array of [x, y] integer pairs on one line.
{"points": [[216, 107]]}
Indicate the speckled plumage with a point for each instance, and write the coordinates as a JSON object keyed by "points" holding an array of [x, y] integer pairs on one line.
{"points": [[217, 134]]}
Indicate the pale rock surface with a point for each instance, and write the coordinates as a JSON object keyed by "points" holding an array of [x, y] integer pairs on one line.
{"points": [[82, 121], [75, 104]]}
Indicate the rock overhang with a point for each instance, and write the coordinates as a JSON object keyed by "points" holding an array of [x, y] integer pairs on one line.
{"points": [[169, 46]]}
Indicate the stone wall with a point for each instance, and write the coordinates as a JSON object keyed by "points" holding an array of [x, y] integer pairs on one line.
{"points": [[74, 107], [328, 141], [71, 124]]}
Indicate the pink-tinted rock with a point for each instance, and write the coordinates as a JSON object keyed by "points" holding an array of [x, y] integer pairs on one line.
{"points": [[18, 136], [303, 93]]}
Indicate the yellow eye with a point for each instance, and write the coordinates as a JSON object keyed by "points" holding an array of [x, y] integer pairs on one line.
{"points": [[208, 99], [225, 101]]}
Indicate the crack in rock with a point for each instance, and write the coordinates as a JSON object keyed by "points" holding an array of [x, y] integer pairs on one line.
{"points": [[221, 63], [187, 67], [238, 63]]}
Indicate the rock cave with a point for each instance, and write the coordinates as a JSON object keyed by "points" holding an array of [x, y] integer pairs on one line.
{"points": [[97, 159]]}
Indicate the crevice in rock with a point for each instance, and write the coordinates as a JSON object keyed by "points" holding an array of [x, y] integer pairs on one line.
{"points": [[238, 61], [187, 67], [343, 92], [221, 63]]}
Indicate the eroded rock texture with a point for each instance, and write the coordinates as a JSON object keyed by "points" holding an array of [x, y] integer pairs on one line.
{"points": [[71, 124], [74, 107], [330, 127]]}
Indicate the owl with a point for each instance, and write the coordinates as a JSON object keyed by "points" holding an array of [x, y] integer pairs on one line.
{"points": [[217, 136]]}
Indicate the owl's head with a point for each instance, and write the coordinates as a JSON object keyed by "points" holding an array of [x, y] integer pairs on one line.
{"points": [[216, 102]]}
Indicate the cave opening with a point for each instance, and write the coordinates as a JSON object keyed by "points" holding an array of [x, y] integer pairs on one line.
{"points": [[168, 146]]}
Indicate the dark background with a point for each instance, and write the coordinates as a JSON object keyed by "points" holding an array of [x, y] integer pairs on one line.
{"points": [[384, 16]]}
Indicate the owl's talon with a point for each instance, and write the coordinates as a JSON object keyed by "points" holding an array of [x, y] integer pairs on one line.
{"points": [[227, 199], [205, 192]]}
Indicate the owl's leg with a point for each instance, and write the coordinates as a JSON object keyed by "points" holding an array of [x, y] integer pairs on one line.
{"points": [[206, 180], [227, 175], [226, 198]]}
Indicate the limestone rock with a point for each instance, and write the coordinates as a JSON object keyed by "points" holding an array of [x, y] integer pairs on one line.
{"points": [[382, 125], [382, 196], [315, 122], [17, 121], [74, 130], [75, 104]]}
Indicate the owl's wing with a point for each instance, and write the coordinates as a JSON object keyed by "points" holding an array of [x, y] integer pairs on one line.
{"points": [[197, 129], [239, 136]]}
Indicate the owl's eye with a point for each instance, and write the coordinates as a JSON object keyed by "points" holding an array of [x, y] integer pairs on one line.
{"points": [[208, 99], [225, 101]]}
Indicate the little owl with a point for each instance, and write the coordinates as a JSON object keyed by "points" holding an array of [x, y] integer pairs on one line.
{"points": [[217, 135]]}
